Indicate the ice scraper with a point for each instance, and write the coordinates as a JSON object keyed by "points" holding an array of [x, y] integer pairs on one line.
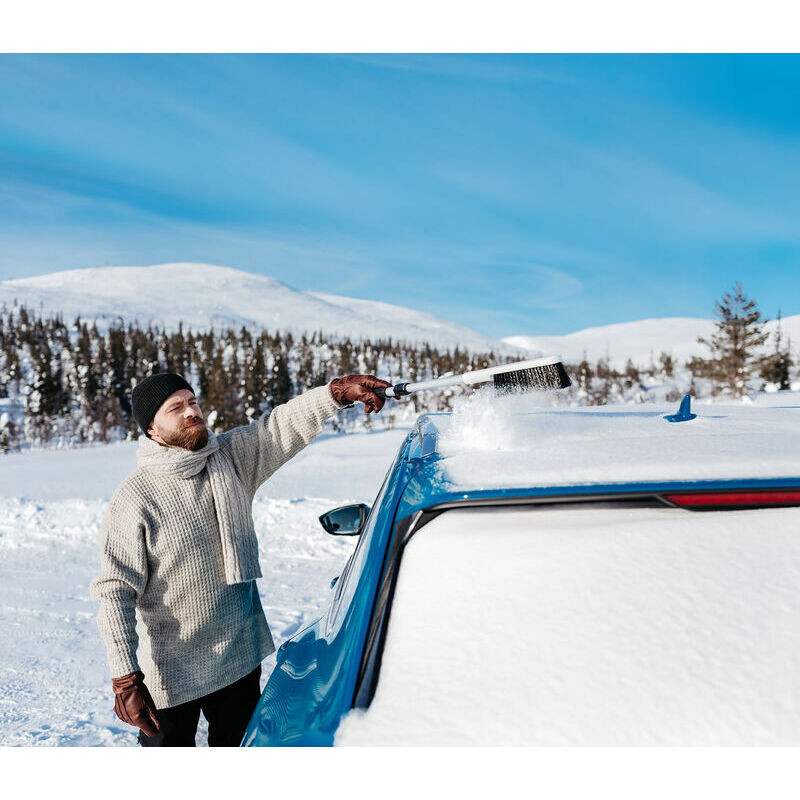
{"points": [[538, 374]]}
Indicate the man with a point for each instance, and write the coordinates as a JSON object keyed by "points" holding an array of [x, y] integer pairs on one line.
{"points": [[179, 550]]}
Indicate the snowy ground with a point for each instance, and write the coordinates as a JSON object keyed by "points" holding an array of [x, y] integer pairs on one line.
{"points": [[54, 683]]}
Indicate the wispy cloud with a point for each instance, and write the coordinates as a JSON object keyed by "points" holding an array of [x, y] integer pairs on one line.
{"points": [[461, 67]]}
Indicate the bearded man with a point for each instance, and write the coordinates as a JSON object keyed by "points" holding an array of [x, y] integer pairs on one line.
{"points": [[179, 550]]}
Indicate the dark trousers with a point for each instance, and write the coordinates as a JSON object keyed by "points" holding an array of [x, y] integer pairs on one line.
{"points": [[228, 710]]}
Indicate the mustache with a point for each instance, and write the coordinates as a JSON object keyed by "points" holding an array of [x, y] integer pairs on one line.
{"points": [[192, 421]]}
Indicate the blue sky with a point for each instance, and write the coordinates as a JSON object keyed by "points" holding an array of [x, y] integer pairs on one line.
{"points": [[512, 194]]}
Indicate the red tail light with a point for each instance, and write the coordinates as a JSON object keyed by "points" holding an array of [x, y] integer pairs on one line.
{"points": [[753, 498]]}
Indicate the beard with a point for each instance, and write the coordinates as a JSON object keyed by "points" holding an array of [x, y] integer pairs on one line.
{"points": [[190, 436]]}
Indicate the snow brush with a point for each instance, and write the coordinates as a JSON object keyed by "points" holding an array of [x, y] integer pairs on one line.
{"points": [[539, 374]]}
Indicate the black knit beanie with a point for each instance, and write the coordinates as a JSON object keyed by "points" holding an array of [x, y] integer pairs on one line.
{"points": [[148, 396]]}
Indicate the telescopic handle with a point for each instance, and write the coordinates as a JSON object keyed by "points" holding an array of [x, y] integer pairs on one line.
{"points": [[398, 390], [401, 389]]}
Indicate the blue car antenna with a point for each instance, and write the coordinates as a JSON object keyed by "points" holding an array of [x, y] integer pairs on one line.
{"points": [[684, 412]]}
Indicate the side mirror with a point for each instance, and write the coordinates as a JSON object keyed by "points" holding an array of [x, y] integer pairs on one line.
{"points": [[345, 520]]}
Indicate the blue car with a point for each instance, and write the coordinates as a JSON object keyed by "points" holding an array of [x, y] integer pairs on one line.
{"points": [[533, 576]]}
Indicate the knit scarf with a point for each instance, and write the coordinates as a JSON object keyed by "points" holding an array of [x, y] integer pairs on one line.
{"points": [[231, 503]]}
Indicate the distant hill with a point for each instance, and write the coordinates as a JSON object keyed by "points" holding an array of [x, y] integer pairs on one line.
{"points": [[638, 340], [204, 296]]}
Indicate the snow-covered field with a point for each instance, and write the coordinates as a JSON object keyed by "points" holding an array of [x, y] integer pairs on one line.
{"points": [[54, 683]]}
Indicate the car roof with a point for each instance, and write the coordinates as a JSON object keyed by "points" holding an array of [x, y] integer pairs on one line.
{"points": [[508, 446]]}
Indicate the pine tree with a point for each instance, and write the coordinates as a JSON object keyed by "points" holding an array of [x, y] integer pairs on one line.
{"points": [[106, 401], [583, 376], [235, 393], [252, 376], [412, 370], [734, 344], [280, 382], [346, 364], [216, 400], [118, 371], [776, 367], [84, 385], [305, 367], [40, 392], [667, 364], [632, 375], [601, 386]]}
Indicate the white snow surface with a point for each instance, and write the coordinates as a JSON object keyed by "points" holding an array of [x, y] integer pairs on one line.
{"points": [[205, 295], [54, 682], [642, 341], [518, 440], [592, 625]]}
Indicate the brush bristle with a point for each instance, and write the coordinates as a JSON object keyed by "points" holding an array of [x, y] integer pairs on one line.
{"points": [[537, 379]]}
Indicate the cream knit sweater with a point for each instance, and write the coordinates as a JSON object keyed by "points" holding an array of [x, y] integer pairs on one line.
{"points": [[162, 562]]}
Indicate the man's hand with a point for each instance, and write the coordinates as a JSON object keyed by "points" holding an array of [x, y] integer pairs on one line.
{"points": [[133, 703], [351, 388]]}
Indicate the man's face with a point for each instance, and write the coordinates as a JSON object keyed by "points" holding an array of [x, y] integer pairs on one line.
{"points": [[179, 422]]}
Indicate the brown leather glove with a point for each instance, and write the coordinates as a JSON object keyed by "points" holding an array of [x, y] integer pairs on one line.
{"points": [[352, 388], [133, 703]]}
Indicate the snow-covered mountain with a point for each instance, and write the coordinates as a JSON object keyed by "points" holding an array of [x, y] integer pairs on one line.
{"points": [[639, 340], [204, 295]]}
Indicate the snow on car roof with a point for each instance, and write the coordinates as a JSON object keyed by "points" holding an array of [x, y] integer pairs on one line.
{"points": [[518, 440]]}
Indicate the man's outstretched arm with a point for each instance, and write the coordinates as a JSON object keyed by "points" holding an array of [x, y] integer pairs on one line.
{"points": [[266, 444]]}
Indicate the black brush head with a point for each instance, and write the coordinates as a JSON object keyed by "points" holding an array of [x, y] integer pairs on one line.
{"points": [[533, 379]]}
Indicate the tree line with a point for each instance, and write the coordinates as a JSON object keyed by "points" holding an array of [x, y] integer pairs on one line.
{"points": [[70, 384], [739, 359]]}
